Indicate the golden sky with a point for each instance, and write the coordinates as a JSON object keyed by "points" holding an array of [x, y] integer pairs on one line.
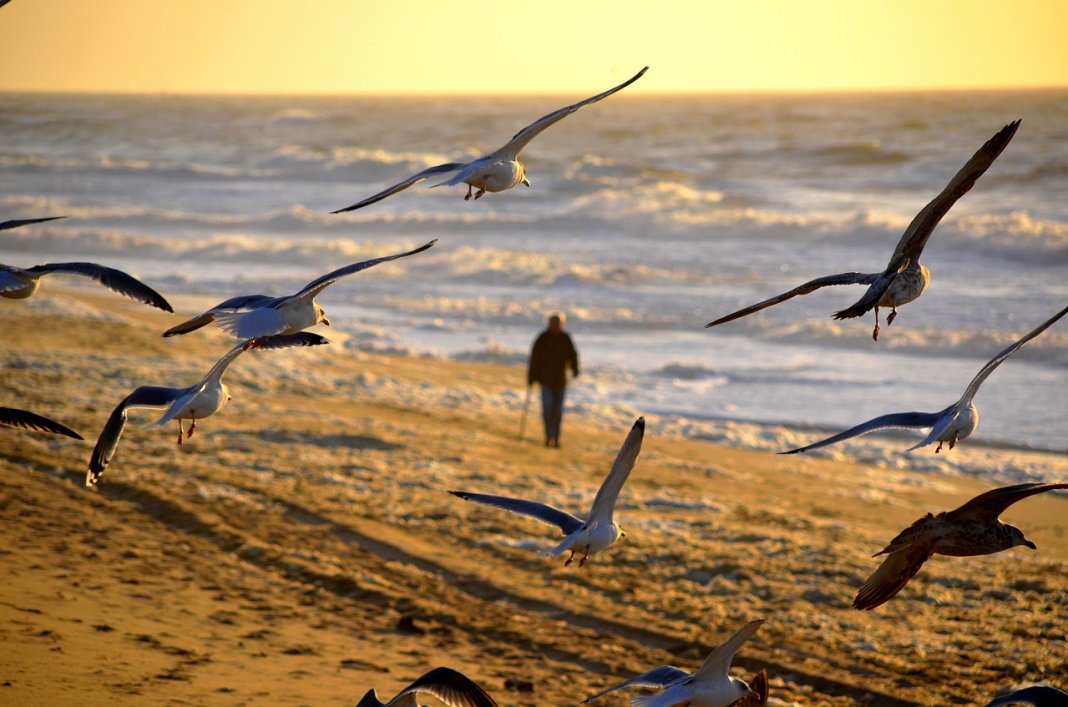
{"points": [[547, 46]]}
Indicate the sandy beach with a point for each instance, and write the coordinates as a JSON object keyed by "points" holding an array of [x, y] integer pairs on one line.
{"points": [[301, 547]]}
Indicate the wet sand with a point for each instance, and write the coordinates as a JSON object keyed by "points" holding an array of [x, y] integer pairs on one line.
{"points": [[301, 548]]}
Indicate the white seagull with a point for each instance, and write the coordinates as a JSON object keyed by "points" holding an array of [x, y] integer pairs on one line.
{"points": [[24, 419], [948, 426], [451, 687], [20, 283], [193, 403], [599, 530], [497, 171], [256, 316], [17, 223], [904, 278], [710, 686]]}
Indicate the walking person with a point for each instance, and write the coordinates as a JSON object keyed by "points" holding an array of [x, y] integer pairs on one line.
{"points": [[552, 354]]}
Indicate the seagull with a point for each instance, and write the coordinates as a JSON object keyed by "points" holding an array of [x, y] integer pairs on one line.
{"points": [[948, 426], [973, 529], [904, 278], [1035, 696], [193, 403], [451, 687], [710, 686], [16, 223], [19, 283], [24, 419], [497, 171], [599, 531], [256, 316]]}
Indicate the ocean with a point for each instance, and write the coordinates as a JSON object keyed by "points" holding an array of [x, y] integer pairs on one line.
{"points": [[647, 217]]}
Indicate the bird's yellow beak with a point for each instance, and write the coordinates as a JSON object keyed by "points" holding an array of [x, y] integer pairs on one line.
{"points": [[326, 321], [526, 182]]}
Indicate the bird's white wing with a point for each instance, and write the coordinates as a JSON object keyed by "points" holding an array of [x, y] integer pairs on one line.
{"points": [[317, 285], [524, 136], [24, 419], [993, 363], [143, 397], [113, 279], [251, 323], [545, 513], [401, 186], [604, 503], [662, 676], [718, 662], [10, 280], [451, 687], [897, 419]]}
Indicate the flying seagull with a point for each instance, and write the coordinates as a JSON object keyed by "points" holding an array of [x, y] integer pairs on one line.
{"points": [[256, 316], [710, 686], [1035, 696], [948, 426], [24, 419], [497, 171], [16, 223], [19, 283], [451, 687], [973, 529], [599, 530], [904, 278], [194, 403]]}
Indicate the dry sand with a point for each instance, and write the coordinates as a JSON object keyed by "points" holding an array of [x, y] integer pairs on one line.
{"points": [[301, 547]]}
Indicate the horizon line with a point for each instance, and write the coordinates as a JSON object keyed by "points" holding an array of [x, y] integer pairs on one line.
{"points": [[516, 94]]}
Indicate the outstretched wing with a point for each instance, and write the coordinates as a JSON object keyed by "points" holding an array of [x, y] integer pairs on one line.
{"points": [[1035, 696], [401, 186], [988, 506], [16, 223], [661, 677], [113, 279], [718, 662], [316, 286], [451, 687], [759, 696], [897, 419], [893, 574], [24, 419], [993, 363], [914, 239], [234, 304], [604, 503], [520, 139], [846, 278], [547, 514], [279, 341], [145, 396]]}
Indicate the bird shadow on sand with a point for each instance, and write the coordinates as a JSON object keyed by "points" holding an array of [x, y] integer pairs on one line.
{"points": [[327, 441]]}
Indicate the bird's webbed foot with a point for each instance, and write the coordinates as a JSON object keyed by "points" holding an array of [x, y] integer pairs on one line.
{"points": [[875, 331], [953, 443], [192, 429], [181, 433], [939, 448], [893, 315], [467, 197], [570, 559], [585, 556], [479, 193]]}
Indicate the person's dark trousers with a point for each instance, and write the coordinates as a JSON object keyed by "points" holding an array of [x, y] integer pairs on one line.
{"points": [[552, 411]]}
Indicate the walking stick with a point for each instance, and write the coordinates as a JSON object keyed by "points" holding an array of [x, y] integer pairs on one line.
{"points": [[523, 419]]}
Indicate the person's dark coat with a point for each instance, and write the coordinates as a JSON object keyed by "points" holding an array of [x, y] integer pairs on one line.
{"points": [[550, 358]]}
